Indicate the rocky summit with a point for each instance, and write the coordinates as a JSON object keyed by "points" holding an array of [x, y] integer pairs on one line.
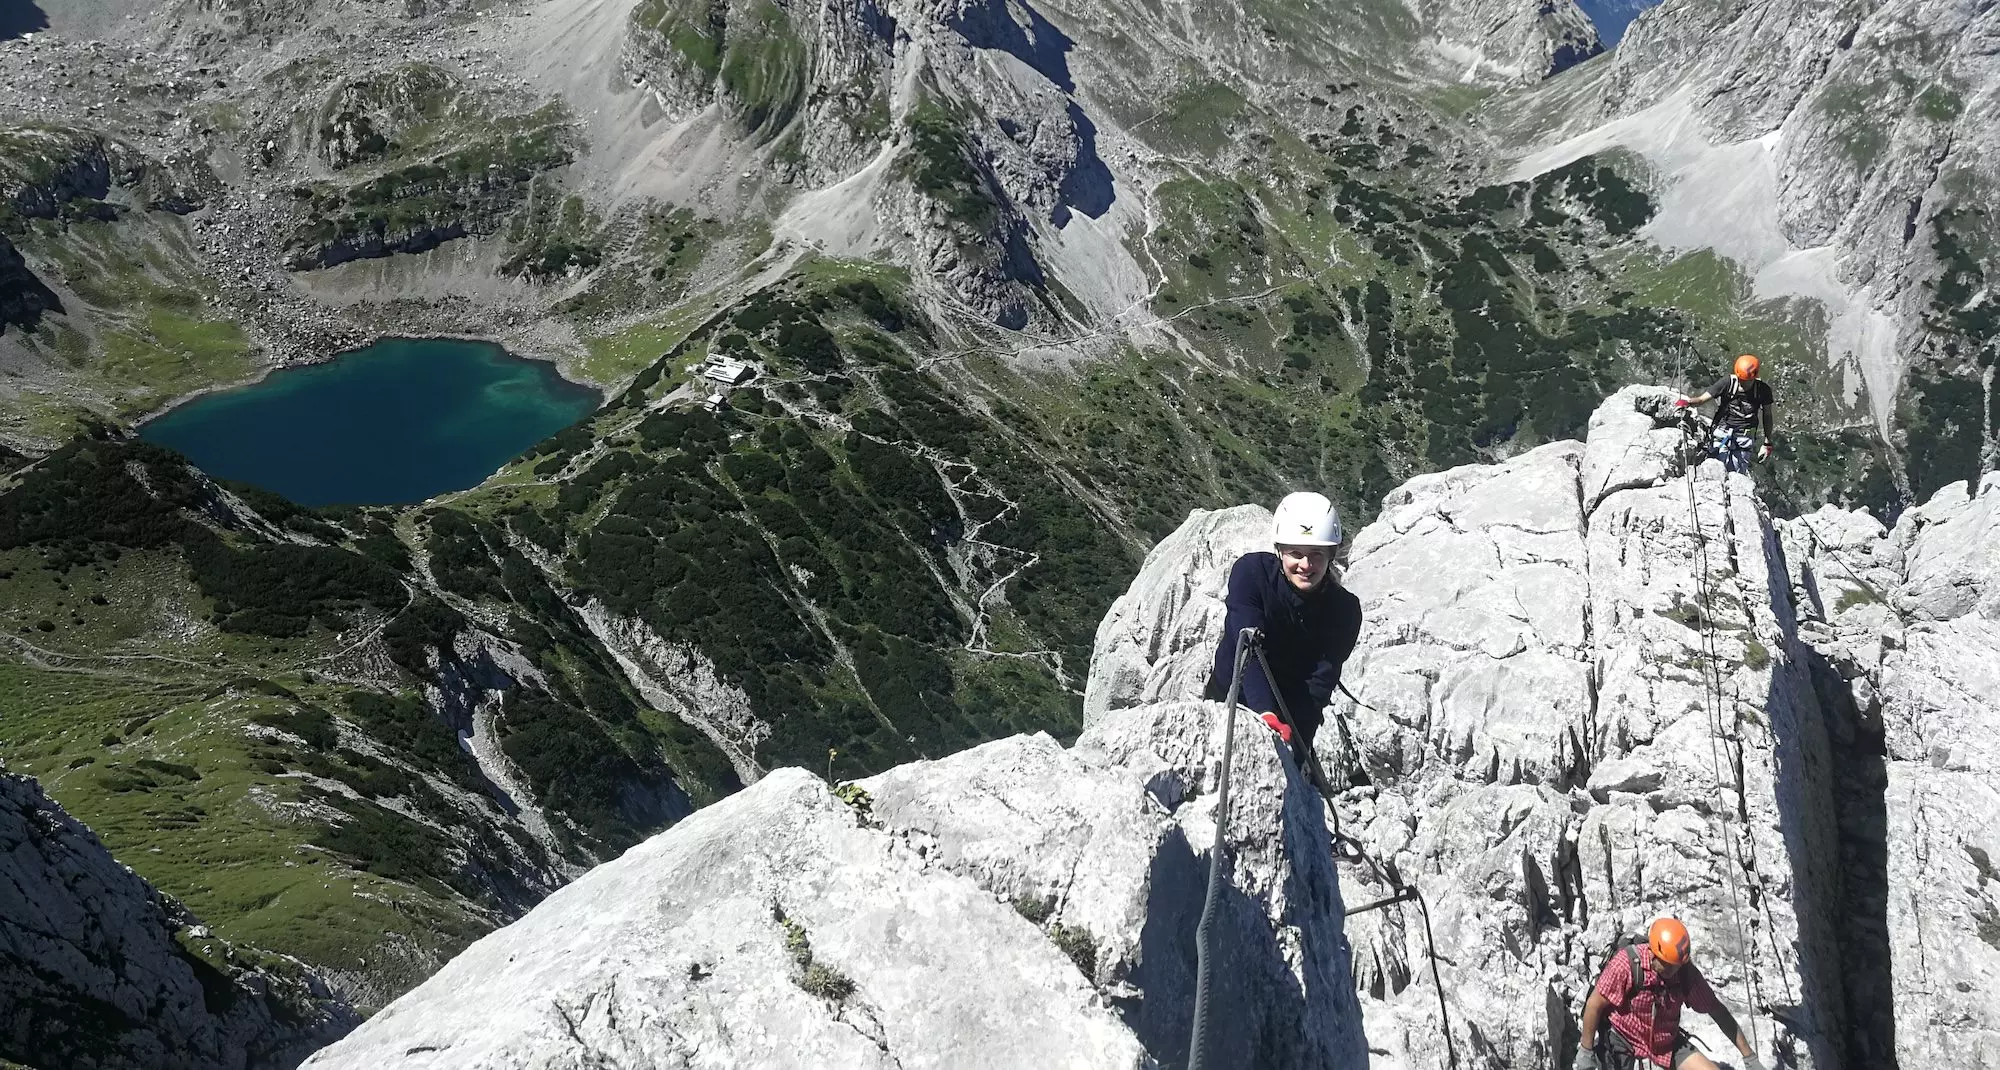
{"points": [[1596, 685]]}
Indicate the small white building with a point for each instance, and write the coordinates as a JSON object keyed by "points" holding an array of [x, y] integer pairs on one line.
{"points": [[715, 403], [728, 372]]}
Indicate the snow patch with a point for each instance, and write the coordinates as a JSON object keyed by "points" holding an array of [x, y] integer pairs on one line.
{"points": [[1474, 60]]}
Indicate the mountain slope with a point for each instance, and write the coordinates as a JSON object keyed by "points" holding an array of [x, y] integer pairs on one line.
{"points": [[282, 720], [1022, 284], [97, 969], [1855, 173]]}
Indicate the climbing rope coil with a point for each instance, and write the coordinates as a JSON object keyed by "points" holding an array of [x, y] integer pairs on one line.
{"points": [[1345, 849]]}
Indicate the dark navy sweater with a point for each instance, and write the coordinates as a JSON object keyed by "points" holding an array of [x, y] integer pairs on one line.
{"points": [[1307, 638]]}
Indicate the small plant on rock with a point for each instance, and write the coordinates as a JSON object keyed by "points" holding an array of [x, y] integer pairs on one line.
{"points": [[856, 796], [1034, 908], [815, 978], [1756, 656], [1854, 596], [826, 982], [1078, 945]]}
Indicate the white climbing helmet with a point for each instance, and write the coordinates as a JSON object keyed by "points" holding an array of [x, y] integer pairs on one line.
{"points": [[1305, 519]]}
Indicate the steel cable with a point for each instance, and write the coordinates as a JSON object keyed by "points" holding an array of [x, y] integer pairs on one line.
{"points": [[1712, 701], [1203, 953], [1247, 643]]}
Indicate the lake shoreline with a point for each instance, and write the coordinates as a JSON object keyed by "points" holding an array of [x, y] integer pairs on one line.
{"points": [[403, 418], [268, 370]]}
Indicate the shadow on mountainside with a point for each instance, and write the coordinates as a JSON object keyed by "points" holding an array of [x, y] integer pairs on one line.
{"points": [[23, 296], [1860, 784], [1039, 44], [1846, 956], [1088, 186], [19, 17], [1259, 1016]]}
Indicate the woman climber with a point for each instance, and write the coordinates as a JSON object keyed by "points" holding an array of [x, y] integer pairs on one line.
{"points": [[1307, 621]]}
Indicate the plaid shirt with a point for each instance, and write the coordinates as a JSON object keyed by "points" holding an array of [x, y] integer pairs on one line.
{"points": [[1648, 1014]]}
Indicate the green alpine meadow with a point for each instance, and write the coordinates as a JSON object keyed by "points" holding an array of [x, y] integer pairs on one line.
{"points": [[445, 443]]}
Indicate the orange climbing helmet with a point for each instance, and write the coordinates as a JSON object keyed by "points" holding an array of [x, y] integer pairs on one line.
{"points": [[1746, 367], [1668, 937]]}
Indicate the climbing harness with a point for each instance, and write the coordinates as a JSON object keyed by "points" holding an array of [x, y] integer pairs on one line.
{"points": [[1345, 848]]}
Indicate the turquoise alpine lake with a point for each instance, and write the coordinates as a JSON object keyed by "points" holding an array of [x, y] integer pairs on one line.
{"points": [[396, 422]]}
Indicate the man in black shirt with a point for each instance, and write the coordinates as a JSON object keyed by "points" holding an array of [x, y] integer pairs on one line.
{"points": [[1746, 400], [1308, 621]]}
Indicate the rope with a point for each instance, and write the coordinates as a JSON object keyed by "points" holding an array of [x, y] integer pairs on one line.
{"points": [[1401, 893], [1832, 552], [1246, 640], [1308, 758], [1713, 702]]}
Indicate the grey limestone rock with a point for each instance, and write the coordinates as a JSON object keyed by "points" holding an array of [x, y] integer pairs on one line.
{"points": [[1156, 641], [1907, 622], [1547, 760], [1590, 711], [1018, 904]]}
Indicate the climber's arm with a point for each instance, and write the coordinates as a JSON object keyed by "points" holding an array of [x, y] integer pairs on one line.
{"points": [[1244, 608], [1594, 1009], [1726, 1022], [1701, 997]]}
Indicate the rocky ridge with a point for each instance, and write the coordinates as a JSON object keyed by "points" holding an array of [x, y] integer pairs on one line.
{"points": [[1905, 619], [1586, 700], [1539, 752], [943, 135], [98, 969], [1590, 708], [1031, 96]]}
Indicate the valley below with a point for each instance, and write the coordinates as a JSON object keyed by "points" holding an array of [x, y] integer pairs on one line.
{"points": [[363, 661]]}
